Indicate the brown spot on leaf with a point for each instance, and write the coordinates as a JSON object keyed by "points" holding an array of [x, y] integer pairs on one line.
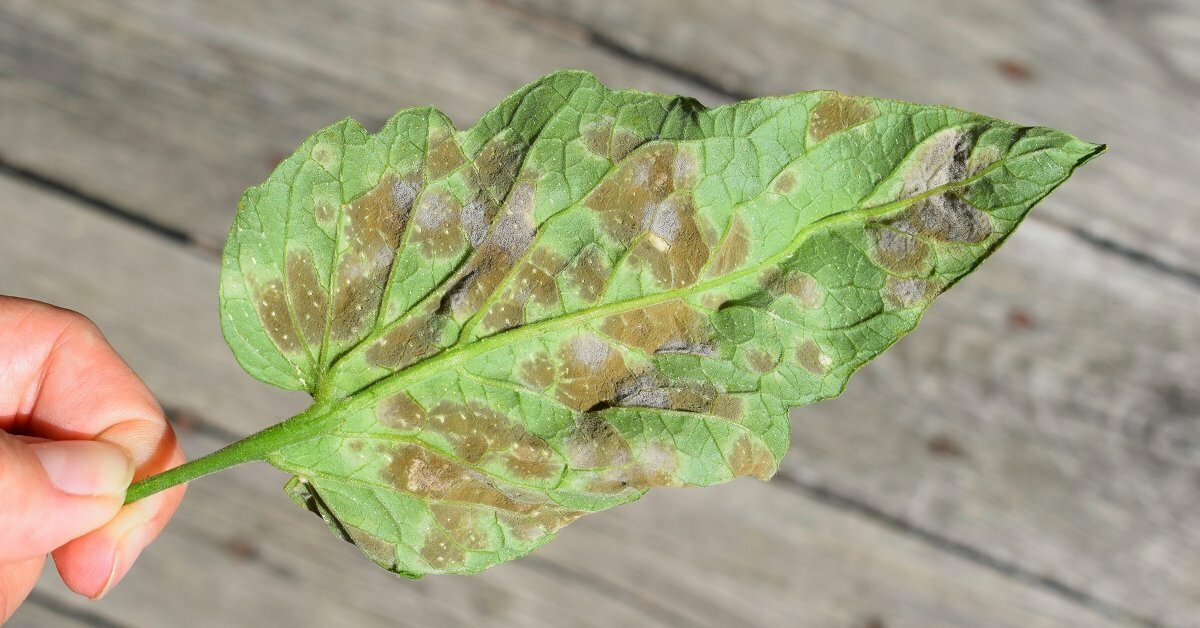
{"points": [[511, 234], [594, 442], [307, 297], [496, 167], [596, 135], [472, 431], [503, 315], [760, 361], [458, 499], [734, 248], [655, 465], [417, 470], [906, 292], [514, 229], [589, 272], [946, 218], [942, 160], [521, 202], [538, 372], [672, 326], [447, 543], [673, 248], [538, 522], [438, 227], [692, 397], [545, 266], [272, 307], [800, 285], [624, 142], [628, 198], [356, 305], [810, 356], [444, 155], [533, 280], [476, 430], [651, 391], [785, 182], [601, 139], [488, 268], [373, 547], [643, 391], [416, 337], [837, 112], [899, 252], [372, 228], [751, 457], [531, 457], [590, 372], [401, 412], [727, 407]]}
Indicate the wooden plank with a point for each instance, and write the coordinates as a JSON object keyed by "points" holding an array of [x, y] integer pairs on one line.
{"points": [[44, 611], [1121, 73], [169, 111], [1044, 413], [239, 553]]}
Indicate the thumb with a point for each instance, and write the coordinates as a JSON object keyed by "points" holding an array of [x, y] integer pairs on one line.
{"points": [[54, 491]]}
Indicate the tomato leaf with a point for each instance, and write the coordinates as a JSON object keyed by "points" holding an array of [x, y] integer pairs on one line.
{"points": [[591, 293]]}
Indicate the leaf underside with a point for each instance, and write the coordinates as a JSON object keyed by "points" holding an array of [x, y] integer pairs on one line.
{"points": [[591, 293]]}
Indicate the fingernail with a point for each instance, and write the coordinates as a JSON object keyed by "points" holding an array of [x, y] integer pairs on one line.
{"points": [[85, 467]]}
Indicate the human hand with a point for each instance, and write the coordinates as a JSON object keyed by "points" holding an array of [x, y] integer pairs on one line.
{"points": [[76, 426]]}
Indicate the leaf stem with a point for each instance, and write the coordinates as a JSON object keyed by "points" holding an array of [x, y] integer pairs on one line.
{"points": [[256, 446]]}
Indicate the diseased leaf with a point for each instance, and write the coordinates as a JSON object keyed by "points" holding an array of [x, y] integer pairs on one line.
{"points": [[591, 293]]}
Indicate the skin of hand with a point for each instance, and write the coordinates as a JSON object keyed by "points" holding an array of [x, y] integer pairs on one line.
{"points": [[77, 425]]}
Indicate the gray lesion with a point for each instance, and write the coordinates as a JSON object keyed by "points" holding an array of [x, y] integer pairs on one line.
{"points": [[942, 160]]}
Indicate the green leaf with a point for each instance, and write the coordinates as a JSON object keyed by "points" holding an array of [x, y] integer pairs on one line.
{"points": [[591, 293]]}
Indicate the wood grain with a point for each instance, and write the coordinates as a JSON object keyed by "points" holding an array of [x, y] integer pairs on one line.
{"points": [[169, 111], [239, 553], [1121, 72]]}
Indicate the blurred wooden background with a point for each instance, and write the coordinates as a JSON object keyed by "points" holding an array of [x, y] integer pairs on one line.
{"points": [[1029, 457]]}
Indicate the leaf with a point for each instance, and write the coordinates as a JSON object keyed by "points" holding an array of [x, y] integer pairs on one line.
{"points": [[591, 293]]}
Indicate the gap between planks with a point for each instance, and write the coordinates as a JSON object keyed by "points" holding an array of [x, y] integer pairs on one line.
{"points": [[901, 526]]}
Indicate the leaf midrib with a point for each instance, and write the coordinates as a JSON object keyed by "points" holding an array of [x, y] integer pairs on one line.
{"points": [[457, 355]]}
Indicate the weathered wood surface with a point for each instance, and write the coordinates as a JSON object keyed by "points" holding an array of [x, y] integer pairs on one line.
{"points": [[144, 88], [1036, 439], [170, 111], [239, 551], [1122, 72]]}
